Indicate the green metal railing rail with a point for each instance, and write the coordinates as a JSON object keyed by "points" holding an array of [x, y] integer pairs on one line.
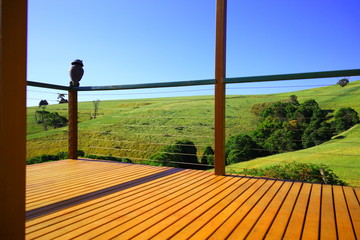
{"points": [[264, 78]]}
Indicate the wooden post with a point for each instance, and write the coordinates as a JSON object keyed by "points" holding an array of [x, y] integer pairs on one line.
{"points": [[73, 124], [13, 27], [220, 72]]}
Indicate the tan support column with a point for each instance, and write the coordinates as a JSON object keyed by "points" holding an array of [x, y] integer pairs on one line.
{"points": [[13, 27], [220, 72], [73, 124]]}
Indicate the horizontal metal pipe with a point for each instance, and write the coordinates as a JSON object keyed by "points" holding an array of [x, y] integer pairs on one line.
{"points": [[148, 85], [264, 78], [294, 76], [47, 85]]}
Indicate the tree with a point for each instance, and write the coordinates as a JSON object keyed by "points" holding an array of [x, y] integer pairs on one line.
{"points": [[265, 129], [208, 156], [317, 133], [345, 118], [55, 120], [61, 96], [282, 140], [242, 148], [279, 110], [306, 110], [40, 115], [96, 107], [343, 82], [182, 154]]}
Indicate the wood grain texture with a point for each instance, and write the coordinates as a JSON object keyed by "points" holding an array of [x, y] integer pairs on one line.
{"points": [[94, 199]]}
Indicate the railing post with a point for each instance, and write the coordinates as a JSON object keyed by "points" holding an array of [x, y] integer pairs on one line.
{"points": [[220, 72], [13, 29], [73, 124]]}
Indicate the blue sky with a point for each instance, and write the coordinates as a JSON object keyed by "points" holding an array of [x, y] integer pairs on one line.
{"points": [[140, 41]]}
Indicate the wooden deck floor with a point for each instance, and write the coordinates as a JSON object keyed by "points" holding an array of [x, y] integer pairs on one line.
{"points": [[104, 200]]}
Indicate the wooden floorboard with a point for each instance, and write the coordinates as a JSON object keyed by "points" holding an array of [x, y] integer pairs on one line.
{"points": [[91, 199]]}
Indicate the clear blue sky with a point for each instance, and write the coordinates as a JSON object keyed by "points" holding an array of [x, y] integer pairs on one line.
{"points": [[139, 41]]}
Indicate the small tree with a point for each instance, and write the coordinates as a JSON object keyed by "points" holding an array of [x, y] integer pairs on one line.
{"points": [[208, 156], [345, 118], [343, 82], [55, 120], [242, 148], [40, 115], [61, 98], [183, 151], [96, 107]]}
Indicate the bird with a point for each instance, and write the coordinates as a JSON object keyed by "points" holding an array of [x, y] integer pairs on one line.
{"points": [[76, 72]]}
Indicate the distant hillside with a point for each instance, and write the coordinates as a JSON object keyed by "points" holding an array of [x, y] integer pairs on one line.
{"points": [[138, 128]]}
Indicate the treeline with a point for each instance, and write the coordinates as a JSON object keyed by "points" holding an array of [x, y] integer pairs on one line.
{"points": [[64, 155]]}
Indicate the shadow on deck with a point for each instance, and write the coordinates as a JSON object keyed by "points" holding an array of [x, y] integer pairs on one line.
{"points": [[104, 200]]}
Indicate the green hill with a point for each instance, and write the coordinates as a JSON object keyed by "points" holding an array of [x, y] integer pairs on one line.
{"points": [[138, 128]]}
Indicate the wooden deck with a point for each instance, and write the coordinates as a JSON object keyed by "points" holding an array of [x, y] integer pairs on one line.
{"points": [[86, 199]]}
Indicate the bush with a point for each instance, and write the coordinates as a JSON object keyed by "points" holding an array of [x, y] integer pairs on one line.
{"points": [[242, 148], [208, 156], [183, 151], [48, 157], [109, 157], [306, 172], [345, 118], [343, 82]]}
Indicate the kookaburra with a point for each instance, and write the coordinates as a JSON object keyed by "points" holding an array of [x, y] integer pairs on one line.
{"points": [[76, 72]]}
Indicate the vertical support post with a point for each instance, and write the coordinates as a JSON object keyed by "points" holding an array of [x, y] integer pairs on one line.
{"points": [[73, 124], [220, 72], [13, 30]]}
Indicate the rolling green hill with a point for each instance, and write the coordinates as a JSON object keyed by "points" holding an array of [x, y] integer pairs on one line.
{"points": [[138, 128]]}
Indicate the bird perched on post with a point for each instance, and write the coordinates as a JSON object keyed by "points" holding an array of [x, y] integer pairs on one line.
{"points": [[76, 72]]}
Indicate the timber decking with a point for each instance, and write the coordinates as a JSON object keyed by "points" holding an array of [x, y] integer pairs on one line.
{"points": [[87, 199]]}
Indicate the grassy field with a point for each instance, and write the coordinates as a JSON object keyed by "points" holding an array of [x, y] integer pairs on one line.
{"points": [[138, 128]]}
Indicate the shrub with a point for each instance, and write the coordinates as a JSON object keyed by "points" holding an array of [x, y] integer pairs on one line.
{"points": [[183, 151], [345, 118], [48, 157], [307, 172], [108, 157], [208, 156], [242, 148], [343, 82]]}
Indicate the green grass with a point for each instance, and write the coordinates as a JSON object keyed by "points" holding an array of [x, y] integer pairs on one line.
{"points": [[138, 128]]}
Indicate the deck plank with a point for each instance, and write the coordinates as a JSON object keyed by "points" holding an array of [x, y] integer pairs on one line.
{"points": [[87, 218], [281, 220], [198, 215], [86, 210], [312, 221], [244, 227], [296, 222], [177, 210], [328, 224], [190, 213], [343, 220], [84, 199], [262, 226], [354, 209], [225, 229]]}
